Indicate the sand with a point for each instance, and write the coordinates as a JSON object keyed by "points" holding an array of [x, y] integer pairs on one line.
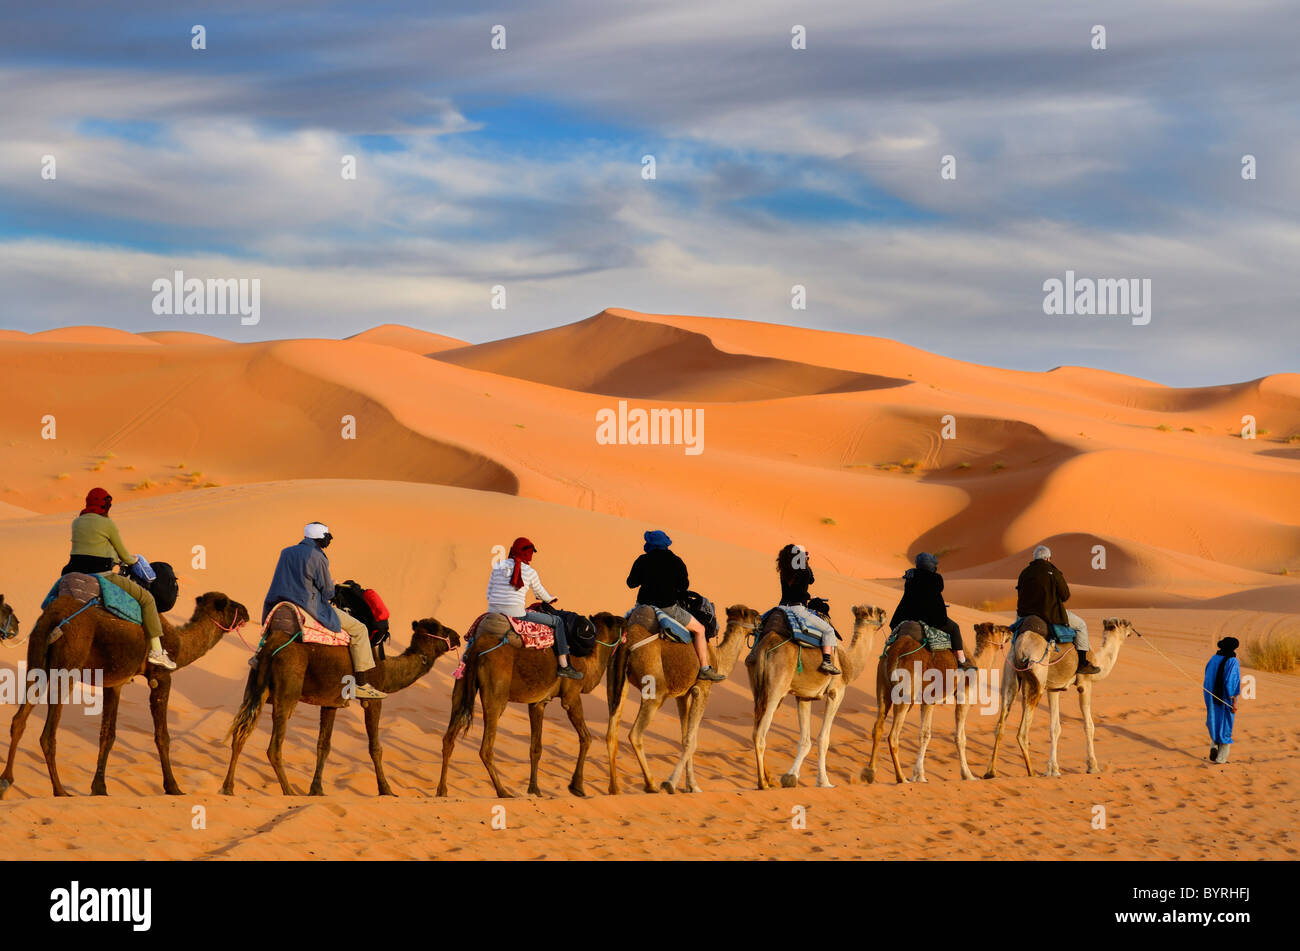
{"points": [[831, 440]]}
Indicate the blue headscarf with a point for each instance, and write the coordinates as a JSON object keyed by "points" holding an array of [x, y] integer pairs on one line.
{"points": [[927, 561], [656, 540]]}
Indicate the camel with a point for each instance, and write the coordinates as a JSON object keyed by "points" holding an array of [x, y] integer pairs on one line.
{"points": [[1032, 667], [501, 670], [8, 620], [662, 669], [289, 670], [774, 671], [68, 638], [907, 654]]}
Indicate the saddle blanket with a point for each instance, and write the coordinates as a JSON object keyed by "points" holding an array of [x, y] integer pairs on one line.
{"points": [[932, 639], [798, 629], [533, 633], [1060, 632], [669, 627], [85, 588], [313, 631]]}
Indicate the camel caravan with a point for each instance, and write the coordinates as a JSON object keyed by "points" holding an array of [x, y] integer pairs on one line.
{"points": [[324, 644]]}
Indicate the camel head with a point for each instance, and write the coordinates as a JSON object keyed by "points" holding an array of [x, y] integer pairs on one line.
{"points": [[996, 636], [435, 633], [1117, 627], [8, 620], [227, 613], [609, 627], [745, 617], [868, 614]]}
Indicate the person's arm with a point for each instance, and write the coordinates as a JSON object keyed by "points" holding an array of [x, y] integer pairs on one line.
{"points": [[115, 539], [685, 577], [534, 581], [634, 576], [320, 575], [1062, 589], [1232, 682]]}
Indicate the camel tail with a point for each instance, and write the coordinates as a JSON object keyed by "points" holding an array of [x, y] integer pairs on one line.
{"points": [[255, 692], [616, 678], [466, 689], [38, 639], [1031, 690]]}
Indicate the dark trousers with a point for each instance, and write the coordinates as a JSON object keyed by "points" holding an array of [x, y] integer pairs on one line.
{"points": [[953, 631], [552, 621]]}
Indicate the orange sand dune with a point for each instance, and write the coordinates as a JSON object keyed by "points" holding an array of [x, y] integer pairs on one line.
{"points": [[835, 441]]}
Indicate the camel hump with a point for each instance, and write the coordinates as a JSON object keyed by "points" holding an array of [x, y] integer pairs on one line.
{"points": [[644, 615], [493, 623]]}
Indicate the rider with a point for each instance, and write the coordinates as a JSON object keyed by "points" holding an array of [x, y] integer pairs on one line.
{"points": [[508, 585], [664, 582], [796, 576], [1042, 591], [923, 601], [302, 577], [96, 547]]}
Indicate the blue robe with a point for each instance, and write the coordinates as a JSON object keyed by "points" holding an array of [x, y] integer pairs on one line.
{"points": [[1218, 716]]}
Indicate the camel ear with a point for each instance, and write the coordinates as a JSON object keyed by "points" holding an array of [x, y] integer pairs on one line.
{"points": [[415, 626]]}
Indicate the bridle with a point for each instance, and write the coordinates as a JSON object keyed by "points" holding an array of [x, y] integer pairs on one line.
{"points": [[4, 632], [440, 637]]}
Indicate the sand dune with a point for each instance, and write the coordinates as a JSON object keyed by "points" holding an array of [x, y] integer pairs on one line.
{"points": [[832, 440]]}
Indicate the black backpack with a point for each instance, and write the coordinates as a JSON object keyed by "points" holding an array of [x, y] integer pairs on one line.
{"points": [[164, 587], [350, 596], [701, 608]]}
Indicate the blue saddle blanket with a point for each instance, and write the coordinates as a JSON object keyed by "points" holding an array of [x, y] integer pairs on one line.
{"points": [[668, 626], [1060, 632], [113, 598], [798, 629]]}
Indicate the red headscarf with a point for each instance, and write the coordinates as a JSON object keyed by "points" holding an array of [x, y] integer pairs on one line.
{"points": [[522, 552], [97, 502]]}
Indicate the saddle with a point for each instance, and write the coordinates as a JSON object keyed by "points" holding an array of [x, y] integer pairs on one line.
{"points": [[519, 632], [657, 621], [932, 638], [1060, 633], [97, 588], [288, 618], [795, 627]]}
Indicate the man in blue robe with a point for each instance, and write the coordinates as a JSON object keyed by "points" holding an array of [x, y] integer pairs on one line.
{"points": [[1222, 686]]}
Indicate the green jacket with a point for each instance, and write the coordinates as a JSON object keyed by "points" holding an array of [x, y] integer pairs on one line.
{"points": [[96, 535]]}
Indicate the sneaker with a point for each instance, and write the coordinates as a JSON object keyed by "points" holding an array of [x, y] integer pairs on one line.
{"points": [[709, 674], [568, 670], [367, 692], [828, 668], [160, 659], [966, 665]]}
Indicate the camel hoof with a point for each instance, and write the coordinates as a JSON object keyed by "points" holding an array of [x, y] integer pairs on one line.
{"points": [[868, 775], [442, 792], [534, 790], [227, 790], [387, 792], [98, 791], [789, 780], [316, 791], [667, 787], [991, 774], [695, 788], [4, 787], [825, 785], [1094, 768], [174, 791], [578, 791]]}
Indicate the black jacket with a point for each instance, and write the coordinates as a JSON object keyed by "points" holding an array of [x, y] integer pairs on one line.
{"points": [[922, 599], [794, 590], [662, 578], [1042, 591]]}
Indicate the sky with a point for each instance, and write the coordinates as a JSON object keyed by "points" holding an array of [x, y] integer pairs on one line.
{"points": [[774, 167]]}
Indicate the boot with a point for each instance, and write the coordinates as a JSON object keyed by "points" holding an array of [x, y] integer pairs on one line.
{"points": [[828, 667], [1086, 666], [709, 674], [568, 671]]}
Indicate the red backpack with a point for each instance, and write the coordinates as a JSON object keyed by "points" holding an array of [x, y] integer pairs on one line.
{"points": [[376, 604]]}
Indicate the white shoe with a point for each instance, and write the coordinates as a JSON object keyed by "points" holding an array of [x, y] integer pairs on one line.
{"points": [[159, 658]]}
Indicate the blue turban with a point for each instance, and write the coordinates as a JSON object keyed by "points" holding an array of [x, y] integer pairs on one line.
{"points": [[656, 539], [927, 561]]}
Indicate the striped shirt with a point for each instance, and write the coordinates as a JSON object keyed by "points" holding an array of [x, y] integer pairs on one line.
{"points": [[505, 598]]}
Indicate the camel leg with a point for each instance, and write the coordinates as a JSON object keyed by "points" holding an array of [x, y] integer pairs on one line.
{"points": [[53, 711], [494, 701], [281, 709], [322, 749], [374, 710], [683, 717], [611, 735], [162, 739], [572, 704], [1022, 735], [107, 734], [649, 707], [883, 705], [959, 735], [449, 738], [16, 728], [901, 710], [536, 717], [804, 710], [700, 696], [927, 725], [761, 726], [1054, 731], [1010, 687], [1085, 708], [833, 701]]}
